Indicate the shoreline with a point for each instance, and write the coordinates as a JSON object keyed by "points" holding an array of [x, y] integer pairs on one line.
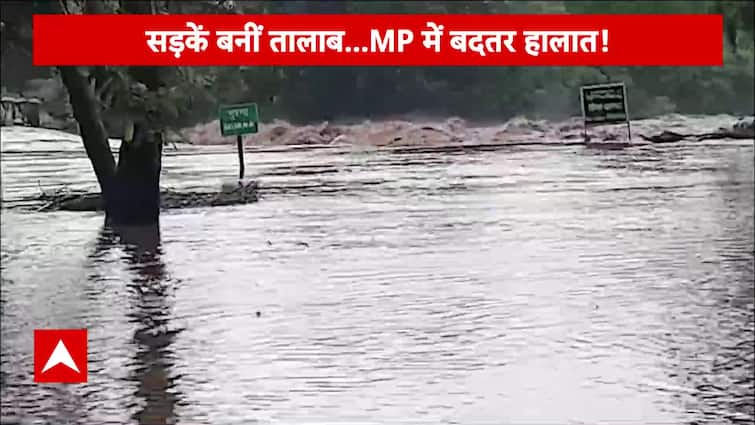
{"points": [[452, 131]]}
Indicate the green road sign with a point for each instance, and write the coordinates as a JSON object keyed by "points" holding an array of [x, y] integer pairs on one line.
{"points": [[237, 120]]}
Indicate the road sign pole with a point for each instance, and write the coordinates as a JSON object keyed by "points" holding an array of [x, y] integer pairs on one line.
{"points": [[584, 113], [626, 111], [240, 145], [238, 120]]}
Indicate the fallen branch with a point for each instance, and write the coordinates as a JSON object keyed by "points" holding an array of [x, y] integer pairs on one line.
{"points": [[170, 199], [45, 206]]}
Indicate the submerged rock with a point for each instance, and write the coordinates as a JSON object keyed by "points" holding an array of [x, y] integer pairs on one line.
{"points": [[746, 123], [665, 137], [743, 129]]}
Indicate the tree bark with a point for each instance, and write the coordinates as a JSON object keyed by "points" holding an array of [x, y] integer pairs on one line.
{"points": [[130, 190], [136, 199], [135, 196], [86, 111]]}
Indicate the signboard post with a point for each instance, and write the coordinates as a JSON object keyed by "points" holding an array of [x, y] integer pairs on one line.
{"points": [[605, 104], [238, 120]]}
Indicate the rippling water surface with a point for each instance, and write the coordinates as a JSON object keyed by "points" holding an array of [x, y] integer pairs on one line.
{"points": [[535, 285]]}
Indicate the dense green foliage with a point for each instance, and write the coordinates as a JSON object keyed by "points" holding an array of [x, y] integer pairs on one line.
{"points": [[491, 93], [478, 93]]}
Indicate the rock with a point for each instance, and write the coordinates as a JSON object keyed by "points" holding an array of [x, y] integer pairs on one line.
{"points": [[746, 123], [744, 128], [742, 133], [238, 186], [230, 186], [665, 137]]}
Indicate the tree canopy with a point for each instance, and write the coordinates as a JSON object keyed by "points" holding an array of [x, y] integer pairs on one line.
{"points": [[479, 93], [493, 93]]}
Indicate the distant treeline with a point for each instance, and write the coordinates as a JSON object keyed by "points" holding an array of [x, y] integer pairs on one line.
{"points": [[304, 94], [484, 93]]}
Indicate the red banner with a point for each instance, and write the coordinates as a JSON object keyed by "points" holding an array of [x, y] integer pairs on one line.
{"points": [[409, 40]]}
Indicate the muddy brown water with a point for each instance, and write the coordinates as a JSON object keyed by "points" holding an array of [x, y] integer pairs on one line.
{"points": [[527, 285]]}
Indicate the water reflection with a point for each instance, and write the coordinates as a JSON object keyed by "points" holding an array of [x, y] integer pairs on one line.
{"points": [[156, 395], [3, 284]]}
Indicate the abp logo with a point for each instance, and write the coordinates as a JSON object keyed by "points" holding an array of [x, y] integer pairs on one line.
{"points": [[60, 356]]}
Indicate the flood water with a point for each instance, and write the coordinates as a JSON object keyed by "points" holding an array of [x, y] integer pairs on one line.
{"points": [[524, 285]]}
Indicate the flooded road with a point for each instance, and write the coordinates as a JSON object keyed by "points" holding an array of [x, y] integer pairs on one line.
{"points": [[524, 285]]}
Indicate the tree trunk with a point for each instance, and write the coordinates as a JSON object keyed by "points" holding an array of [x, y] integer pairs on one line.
{"points": [[86, 110], [135, 198], [130, 191]]}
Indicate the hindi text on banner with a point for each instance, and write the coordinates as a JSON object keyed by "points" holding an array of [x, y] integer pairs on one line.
{"points": [[537, 42], [482, 42], [382, 40], [227, 40], [178, 41], [431, 37], [306, 41]]}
